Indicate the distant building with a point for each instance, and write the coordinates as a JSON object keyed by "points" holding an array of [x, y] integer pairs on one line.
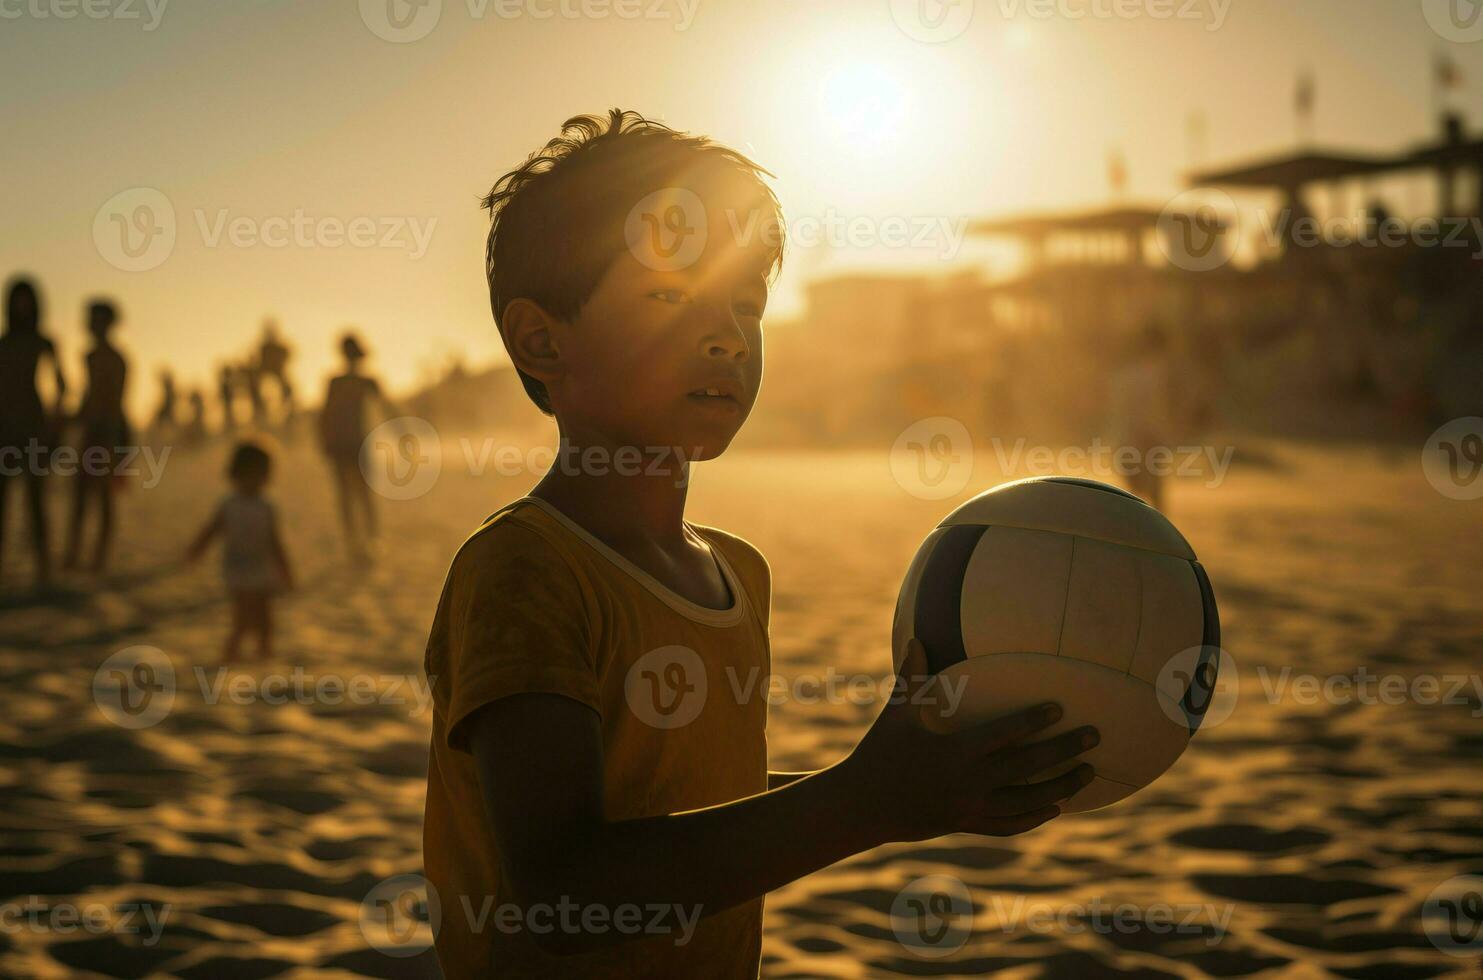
{"points": [[1274, 314]]}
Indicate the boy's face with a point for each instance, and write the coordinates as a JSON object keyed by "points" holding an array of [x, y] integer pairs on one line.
{"points": [[651, 340]]}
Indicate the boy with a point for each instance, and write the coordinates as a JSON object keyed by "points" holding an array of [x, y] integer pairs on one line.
{"points": [[599, 803]]}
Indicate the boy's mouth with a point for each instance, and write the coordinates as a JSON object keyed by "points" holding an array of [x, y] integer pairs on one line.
{"points": [[719, 390], [714, 399], [722, 395]]}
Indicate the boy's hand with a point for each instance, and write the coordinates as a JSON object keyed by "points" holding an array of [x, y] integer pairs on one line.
{"points": [[920, 784]]}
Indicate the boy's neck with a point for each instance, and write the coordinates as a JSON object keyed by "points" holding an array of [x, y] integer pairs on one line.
{"points": [[646, 501]]}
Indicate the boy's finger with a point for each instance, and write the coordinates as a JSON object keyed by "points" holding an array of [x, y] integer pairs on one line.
{"points": [[1023, 762], [1011, 825], [1018, 799], [992, 736]]}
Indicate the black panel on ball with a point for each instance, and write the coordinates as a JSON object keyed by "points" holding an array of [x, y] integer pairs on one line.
{"points": [[938, 617], [1207, 601], [1201, 690]]}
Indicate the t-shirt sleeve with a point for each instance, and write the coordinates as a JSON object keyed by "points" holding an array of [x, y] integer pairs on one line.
{"points": [[518, 622]]}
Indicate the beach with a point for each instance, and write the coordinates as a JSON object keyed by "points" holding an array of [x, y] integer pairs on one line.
{"points": [[242, 833]]}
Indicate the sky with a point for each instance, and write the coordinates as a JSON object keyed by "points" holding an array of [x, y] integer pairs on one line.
{"points": [[323, 162]]}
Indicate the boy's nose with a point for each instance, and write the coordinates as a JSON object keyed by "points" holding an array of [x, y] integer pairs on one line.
{"points": [[735, 349], [727, 341]]}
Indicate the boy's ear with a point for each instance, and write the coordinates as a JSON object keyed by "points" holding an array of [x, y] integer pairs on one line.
{"points": [[529, 340]]}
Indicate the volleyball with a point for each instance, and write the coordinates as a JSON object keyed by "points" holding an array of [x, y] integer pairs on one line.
{"points": [[1068, 590]]}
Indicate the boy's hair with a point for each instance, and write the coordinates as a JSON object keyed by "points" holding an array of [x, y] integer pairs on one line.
{"points": [[250, 457], [557, 221]]}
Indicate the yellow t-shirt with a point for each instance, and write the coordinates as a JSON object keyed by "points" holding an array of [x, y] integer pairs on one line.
{"points": [[533, 603]]}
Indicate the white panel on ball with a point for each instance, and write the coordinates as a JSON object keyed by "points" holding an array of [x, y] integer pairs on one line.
{"points": [[1103, 604], [1172, 618], [1010, 603]]}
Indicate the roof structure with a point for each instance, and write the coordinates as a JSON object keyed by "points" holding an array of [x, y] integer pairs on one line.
{"points": [[1293, 170]]}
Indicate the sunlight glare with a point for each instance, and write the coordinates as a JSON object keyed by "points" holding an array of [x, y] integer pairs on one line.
{"points": [[863, 104]]}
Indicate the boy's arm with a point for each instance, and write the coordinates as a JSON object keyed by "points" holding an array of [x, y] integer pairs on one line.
{"points": [[540, 762]]}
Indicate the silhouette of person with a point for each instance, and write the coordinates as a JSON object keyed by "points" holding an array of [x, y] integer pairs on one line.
{"points": [[27, 429], [226, 389], [342, 431], [164, 418], [272, 361], [1143, 410], [1377, 220], [105, 433], [195, 423], [249, 379], [1001, 405]]}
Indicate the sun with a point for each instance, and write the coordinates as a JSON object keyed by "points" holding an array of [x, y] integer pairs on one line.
{"points": [[863, 104]]}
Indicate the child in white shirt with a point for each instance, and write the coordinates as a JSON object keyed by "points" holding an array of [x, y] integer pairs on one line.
{"points": [[254, 563]]}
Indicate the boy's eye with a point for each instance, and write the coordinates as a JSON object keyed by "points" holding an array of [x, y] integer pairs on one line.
{"points": [[749, 310]]}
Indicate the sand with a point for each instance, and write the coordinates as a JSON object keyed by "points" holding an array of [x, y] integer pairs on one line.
{"points": [[1297, 839]]}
